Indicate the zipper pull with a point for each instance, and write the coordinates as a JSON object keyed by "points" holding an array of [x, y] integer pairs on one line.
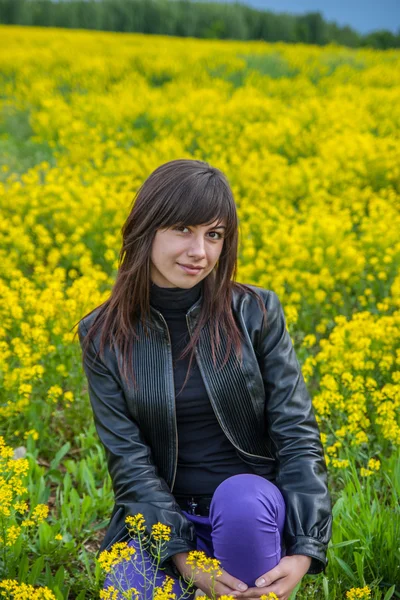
{"points": [[192, 506]]}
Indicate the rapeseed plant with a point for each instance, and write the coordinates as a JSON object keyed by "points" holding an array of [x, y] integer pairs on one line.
{"points": [[317, 199], [358, 593], [18, 519], [12, 590], [121, 553]]}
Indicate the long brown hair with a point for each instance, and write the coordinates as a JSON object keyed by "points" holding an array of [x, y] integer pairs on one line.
{"points": [[179, 192]]}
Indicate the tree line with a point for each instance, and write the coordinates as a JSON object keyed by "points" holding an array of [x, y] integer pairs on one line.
{"points": [[188, 18]]}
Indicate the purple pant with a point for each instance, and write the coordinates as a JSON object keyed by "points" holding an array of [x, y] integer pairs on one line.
{"points": [[243, 530]]}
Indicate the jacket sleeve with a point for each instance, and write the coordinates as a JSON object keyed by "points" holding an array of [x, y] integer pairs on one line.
{"points": [[294, 432], [137, 486]]}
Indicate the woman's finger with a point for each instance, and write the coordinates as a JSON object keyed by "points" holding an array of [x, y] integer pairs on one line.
{"points": [[221, 589], [232, 582], [256, 593]]}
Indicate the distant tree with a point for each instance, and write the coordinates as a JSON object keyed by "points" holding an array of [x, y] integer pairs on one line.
{"points": [[343, 35], [193, 18], [235, 26], [283, 28], [381, 39], [185, 18], [12, 11], [317, 28], [312, 29]]}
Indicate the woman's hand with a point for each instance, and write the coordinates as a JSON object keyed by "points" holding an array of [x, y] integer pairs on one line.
{"points": [[223, 584], [281, 580]]}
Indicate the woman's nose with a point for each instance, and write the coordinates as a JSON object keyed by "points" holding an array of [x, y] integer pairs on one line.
{"points": [[197, 247]]}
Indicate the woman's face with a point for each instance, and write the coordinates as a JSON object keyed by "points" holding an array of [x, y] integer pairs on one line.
{"points": [[196, 246]]}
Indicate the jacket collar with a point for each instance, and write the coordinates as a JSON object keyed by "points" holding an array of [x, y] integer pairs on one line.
{"points": [[156, 320]]}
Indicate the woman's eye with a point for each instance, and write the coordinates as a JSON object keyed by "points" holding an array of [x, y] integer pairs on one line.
{"points": [[180, 227]]}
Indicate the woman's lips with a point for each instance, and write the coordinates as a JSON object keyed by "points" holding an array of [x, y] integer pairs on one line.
{"points": [[190, 271]]}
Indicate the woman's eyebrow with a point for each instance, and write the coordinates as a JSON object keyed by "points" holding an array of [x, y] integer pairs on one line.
{"points": [[210, 226]]}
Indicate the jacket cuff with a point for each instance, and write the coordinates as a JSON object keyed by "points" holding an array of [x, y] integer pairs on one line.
{"points": [[311, 547]]}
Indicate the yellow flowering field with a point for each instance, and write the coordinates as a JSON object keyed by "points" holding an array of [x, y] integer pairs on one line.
{"points": [[309, 138]]}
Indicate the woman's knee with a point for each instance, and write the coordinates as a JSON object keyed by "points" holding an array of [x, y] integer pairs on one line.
{"points": [[247, 492], [245, 484]]}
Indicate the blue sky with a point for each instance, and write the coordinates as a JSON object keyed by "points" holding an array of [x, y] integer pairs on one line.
{"points": [[361, 15]]}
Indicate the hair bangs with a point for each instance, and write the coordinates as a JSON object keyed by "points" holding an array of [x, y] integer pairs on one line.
{"points": [[200, 201]]}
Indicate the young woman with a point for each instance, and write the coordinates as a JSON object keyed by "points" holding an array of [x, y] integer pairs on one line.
{"points": [[199, 399]]}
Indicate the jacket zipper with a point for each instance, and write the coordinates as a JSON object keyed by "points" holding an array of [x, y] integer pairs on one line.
{"points": [[173, 386], [216, 411]]}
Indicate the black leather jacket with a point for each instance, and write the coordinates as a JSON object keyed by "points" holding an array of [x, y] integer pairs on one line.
{"points": [[263, 407]]}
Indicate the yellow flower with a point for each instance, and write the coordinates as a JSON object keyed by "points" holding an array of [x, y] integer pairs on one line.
{"points": [[6, 498], [12, 534], [358, 593], [359, 438], [40, 512], [340, 463], [309, 340], [374, 464], [109, 593], [6, 452], [161, 532], [135, 523], [31, 432], [10, 588], [112, 593], [198, 559], [118, 552], [131, 594], [54, 392], [365, 472], [165, 592], [20, 466], [20, 507]]}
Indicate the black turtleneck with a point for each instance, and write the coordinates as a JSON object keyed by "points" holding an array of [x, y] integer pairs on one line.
{"points": [[205, 455]]}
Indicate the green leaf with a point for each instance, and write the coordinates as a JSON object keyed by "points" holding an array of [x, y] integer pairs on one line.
{"points": [[87, 503], [75, 506], [337, 507], [36, 570], [389, 593], [55, 475], [17, 548], [346, 543], [67, 484], [359, 560], [45, 535], [294, 593], [60, 455], [346, 568], [23, 568], [57, 592], [59, 577], [85, 560], [101, 525], [325, 586]]}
